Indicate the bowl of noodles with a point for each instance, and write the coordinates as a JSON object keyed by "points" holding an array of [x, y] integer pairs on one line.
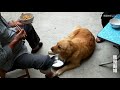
{"points": [[26, 18]]}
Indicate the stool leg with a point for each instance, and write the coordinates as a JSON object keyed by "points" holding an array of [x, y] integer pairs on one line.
{"points": [[26, 75], [27, 72], [118, 56], [105, 64]]}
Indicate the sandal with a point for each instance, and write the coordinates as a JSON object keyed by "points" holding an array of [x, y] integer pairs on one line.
{"points": [[99, 40]]}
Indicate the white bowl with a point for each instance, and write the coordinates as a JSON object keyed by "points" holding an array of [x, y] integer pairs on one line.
{"points": [[57, 63], [115, 23], [26, 18]]}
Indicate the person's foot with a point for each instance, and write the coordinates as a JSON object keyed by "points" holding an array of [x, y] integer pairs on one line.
{"points": [[37, 48], [49, 73], [99, 40], [52, 77]]}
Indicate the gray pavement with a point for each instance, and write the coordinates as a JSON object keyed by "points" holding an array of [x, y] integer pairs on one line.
{"points": [[53, 26]]}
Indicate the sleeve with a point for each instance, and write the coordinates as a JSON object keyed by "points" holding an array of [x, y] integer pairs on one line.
{"points": [[5, 52]]}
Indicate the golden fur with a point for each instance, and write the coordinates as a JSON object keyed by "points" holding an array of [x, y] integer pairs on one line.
{"points": [[77, 46]]}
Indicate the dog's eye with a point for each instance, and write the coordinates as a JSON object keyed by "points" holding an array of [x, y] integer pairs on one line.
{"points": [[59, 47]]}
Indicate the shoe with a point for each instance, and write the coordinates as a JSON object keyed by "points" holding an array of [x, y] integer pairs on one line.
{"points": [[39, 46], [52, 77], [99, 40], [49, 73]]}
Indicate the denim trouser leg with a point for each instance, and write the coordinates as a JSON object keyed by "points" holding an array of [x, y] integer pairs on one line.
{"points": [[32, 37], [42, 62]]}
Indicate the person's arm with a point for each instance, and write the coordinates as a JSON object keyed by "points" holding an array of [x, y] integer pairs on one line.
{"points": [[6, 51], [21, 34], [13, 24]]}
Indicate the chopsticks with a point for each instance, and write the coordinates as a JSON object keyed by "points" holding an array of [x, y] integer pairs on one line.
{"points": [[17, 25]]}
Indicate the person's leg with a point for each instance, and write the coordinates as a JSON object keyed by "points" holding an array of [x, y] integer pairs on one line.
{"points": [[41, 62], [32, 38], [99, 40], [104, 20]]}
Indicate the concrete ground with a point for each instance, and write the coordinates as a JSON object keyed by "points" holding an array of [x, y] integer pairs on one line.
{"points": [[53, 26]]}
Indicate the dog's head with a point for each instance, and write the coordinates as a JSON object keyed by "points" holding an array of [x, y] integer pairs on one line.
{"points": [[64, 48]]}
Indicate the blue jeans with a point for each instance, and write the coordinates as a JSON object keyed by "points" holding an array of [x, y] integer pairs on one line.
{"points": [[42, 62], [32, 37]]}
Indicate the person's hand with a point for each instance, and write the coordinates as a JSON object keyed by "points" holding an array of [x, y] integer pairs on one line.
{"points": [[20, 34], [12, 24]]}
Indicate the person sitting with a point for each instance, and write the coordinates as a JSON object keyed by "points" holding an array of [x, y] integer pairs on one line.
{"points": [[30, 31], [14, 53], [106, 16]]}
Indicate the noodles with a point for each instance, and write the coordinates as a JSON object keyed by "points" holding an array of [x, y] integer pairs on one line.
{"points": [[26, 17]]}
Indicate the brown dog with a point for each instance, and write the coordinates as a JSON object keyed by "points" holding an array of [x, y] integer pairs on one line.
{"points": [[78, 46]]}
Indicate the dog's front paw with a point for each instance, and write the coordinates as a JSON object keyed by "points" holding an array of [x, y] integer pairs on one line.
{"points": [[58, 73]]}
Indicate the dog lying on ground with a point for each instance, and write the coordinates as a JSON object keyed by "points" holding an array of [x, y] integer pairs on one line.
{"points": [[74, 48]]}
